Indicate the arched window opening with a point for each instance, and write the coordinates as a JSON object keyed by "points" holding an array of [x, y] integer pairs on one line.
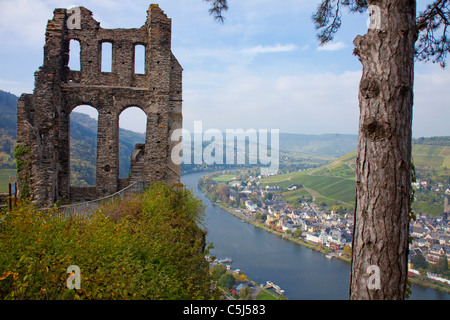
{"points": [[83, 146], [132, 132], [139, 59], [107, 56], [74, 55]]}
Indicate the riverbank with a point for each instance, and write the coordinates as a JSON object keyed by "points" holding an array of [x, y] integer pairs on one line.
{"points": [[426, 282], [257, 290], [417, 280], [283, 235]]}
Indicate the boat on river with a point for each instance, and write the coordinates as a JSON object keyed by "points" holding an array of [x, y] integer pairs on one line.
{"points": [[277, 288]]}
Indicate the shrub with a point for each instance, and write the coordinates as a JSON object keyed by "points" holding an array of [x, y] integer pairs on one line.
{"points": [[227, 281], [149, 246]]}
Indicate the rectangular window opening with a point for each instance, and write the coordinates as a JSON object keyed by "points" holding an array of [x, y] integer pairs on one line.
{"points": [[139, 59], [74, 55], [106, 57]]}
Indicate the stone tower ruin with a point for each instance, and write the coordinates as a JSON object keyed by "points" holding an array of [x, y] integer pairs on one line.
{"points": [[43, 127]]}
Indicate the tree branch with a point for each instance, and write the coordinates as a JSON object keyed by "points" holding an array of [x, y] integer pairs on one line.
{"points": [[432, 25], [217, 6], [328, 16]]}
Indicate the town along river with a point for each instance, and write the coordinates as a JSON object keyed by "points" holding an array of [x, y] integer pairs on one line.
{"points": [[302, 273]]}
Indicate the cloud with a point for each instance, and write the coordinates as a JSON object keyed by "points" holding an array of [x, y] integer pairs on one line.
{"points": [[12, 86], [309, 103], [9, 82], [431, 101], [261, 69], [305, 103], [269, 49], [332, 46], [23, 22], [228, 57]]}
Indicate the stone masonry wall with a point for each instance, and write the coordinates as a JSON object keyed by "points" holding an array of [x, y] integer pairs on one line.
{"points": [[44, 116]]}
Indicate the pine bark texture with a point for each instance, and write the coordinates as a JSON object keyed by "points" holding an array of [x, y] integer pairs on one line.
{"points": [[383, 179]]}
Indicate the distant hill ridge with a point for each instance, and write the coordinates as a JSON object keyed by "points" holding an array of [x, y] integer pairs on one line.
{"points": [[325, 144], [84, 132], [433, 141], [333, 184], [83, 135], [8, 109]]}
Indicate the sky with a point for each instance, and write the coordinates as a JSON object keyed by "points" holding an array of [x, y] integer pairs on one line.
{"points": [[262, 68]]}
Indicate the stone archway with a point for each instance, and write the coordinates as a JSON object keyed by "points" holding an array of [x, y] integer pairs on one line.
{"points": [[83, 146], [44, 116], [132, 140]]}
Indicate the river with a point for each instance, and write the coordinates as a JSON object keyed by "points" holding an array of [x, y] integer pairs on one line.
{"points": [[303, 273]]}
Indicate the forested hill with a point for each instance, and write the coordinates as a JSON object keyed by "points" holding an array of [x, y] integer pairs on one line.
{"points": [[83, 135], [83, 149], [84, 145], [433, 141], [335, 145], [8, 125], [8, 110]]}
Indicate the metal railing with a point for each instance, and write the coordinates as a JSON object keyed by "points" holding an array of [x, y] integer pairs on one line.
{"points": [[88, 207]]}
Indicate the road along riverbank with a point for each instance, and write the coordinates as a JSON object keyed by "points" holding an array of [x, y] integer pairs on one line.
{"points": [[263, 256]]}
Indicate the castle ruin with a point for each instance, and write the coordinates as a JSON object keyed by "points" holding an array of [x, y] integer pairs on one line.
{"points": [[43, 126]]}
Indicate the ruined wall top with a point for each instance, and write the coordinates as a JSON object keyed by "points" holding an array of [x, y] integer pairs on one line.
{"points": [[44, 117], [78, 24]]}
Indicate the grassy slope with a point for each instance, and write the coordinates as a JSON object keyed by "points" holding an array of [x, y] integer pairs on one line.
{"points": [[437, 157], [4, 178], [432, 163], [224, 178], [334, 183]]}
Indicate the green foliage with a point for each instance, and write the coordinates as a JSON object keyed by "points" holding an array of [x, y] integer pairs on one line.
{"points": [[146, 247], [23, 155], [297, 233], [419, 261], [218, 271], [21, 151], [347, 251], [432, 26], [442, 265], [227, 281], [245, 294], [82, 173]]}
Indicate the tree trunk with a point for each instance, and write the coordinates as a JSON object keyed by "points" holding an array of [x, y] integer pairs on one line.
{"points": [[383, 179]]}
